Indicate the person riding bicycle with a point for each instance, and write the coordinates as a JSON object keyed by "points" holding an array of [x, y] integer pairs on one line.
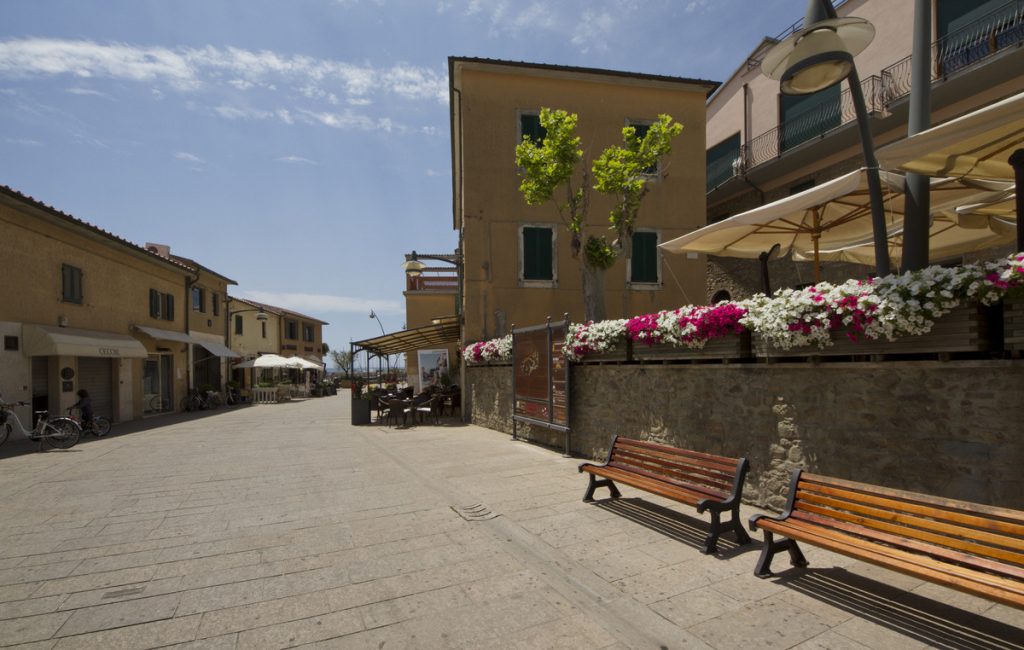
{"points": [[84, 405]]}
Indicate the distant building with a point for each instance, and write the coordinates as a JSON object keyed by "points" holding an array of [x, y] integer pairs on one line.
{"points": [[83, 308], [517, 261], [256, 329], [763, 146]]}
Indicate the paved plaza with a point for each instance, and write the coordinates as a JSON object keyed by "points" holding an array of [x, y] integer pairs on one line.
{"points": [[283, 525]]}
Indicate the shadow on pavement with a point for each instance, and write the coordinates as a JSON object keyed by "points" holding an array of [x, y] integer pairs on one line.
{"points": [[691, 531], [931, 622]]}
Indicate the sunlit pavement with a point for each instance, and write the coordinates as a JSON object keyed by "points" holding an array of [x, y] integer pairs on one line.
{"points": [[283, 525]]}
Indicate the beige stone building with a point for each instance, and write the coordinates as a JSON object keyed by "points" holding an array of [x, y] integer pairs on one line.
{"points": [[763, 146], [255, 329], [431, 299], [518, 266], [83, 308]]}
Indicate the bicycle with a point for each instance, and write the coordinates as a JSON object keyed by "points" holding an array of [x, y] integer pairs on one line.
{"points": [[59, 433], [99, 426], [197, 401]]}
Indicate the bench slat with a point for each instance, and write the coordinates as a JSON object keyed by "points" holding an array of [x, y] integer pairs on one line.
{"points": [[955, 536], [994, 587], [691, 472], [888, 503], [729, 466], [982, 563], [1007, 514], [690, 494], [643, 444]]}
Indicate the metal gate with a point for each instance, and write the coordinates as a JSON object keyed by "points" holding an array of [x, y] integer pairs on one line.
{"points": [[96, 376]]}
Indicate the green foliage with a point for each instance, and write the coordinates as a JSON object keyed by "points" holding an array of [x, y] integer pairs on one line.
{"points": [[624, 172], [547, 166], [600, 253]]}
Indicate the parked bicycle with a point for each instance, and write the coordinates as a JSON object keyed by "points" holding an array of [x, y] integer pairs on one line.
{"points": [[59, 432], [98, 426], [198, 400]]}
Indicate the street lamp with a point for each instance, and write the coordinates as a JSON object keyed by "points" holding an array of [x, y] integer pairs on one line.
{"points": [[413, 267], [819, 56], [373, 315], [261, 316]]}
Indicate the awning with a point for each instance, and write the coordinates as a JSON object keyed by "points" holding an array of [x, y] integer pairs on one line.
{"points": [[444, 331], [216, 349], [45, 341]]}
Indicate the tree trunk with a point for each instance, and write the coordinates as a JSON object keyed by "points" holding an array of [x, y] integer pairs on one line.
{"points": [[593, 292]]}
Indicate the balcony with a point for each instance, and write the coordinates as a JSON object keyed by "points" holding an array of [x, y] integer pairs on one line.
{"points": [[433, 280], [953, 54]]}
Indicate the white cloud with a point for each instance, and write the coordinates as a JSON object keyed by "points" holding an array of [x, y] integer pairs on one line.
{"points": [[313, 304], [593, 31], [694, 5], [351, 121], [295, 160], [240, 113], [86, 91], [25, 142], [189, 157]]}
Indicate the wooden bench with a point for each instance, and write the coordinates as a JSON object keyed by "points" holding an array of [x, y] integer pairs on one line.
{"points": [[967, 546], [712, 483]]}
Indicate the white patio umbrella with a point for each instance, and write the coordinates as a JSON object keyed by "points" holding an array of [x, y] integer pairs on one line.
{"points": [[266, 361], [832, 216], [976, 145]]}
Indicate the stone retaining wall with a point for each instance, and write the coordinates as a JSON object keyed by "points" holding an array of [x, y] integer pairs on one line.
{"points": [[953, 429]]}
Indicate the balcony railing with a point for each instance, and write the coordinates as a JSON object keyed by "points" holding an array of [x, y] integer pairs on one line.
{"points": [[1000, 29], [433, 280]]}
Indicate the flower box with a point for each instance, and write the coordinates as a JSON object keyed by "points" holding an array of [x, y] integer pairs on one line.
{"points": [[964, 329], [1013, 323], [620, 353], [726, 348]]}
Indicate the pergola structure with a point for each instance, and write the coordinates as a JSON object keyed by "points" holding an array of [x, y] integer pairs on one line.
{"points": [[443, 331]]}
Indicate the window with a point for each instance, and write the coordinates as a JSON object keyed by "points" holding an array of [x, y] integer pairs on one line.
{"points": [[216, 304], [529, 127], [11, 343], [291, 329], [640, 130], [537, 262], [643, 262], [307, 333], [238, 324], [721, 160], [198, 299], [71, 284], [801, 187], [155, 303], [161, 305], [263, 327], [804, 117]]}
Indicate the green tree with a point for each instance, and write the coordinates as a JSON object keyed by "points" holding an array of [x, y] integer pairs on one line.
{"points": [[551, 172], [342, 361]]}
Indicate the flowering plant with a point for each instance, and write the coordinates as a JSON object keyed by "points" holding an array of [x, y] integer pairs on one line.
{"points": [[499, 349], [890, 307]]}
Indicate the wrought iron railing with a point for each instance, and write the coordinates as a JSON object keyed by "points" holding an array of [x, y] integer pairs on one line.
{"points": [[997, 30], [438, 280]]}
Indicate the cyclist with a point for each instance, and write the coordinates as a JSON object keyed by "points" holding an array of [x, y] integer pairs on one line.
{"points": [[84, 405]]}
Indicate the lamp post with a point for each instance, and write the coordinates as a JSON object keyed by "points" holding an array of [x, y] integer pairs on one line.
{"points": [[387, 358], [818, 56]]}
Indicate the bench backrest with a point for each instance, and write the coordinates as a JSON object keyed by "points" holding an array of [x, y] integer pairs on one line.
{"points": [[714, 475], [981, 536]]}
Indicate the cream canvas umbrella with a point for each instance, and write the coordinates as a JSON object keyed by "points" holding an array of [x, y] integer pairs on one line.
{"points": [[976, 145], [832, 216]]}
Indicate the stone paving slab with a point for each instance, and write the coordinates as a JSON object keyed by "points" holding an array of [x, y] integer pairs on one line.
{"points": [[284, 526]]}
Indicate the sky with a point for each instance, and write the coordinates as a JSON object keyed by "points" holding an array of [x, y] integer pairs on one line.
{"points": [[301, 147]]}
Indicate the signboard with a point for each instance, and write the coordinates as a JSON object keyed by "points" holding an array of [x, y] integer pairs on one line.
{"points": [[541, 376], [433, 364]]}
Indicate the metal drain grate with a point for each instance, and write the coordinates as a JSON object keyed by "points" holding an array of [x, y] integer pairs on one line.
{"points": [[475, 512]]}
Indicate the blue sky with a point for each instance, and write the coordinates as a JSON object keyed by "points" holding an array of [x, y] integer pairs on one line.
{"points": [[300, 147]]}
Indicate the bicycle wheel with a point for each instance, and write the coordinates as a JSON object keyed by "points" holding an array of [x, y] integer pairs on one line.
{"points": [[100, 426], [62, 433]]}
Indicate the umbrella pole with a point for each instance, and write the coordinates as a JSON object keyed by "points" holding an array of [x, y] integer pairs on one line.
{"points": [[817, 260], [1017, 162]]}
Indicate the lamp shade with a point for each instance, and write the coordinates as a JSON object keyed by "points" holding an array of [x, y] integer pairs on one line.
{"points": [[818, 56], [413, 267]]}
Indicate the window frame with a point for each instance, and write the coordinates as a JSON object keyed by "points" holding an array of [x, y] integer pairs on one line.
{"points": [[198, 300], [291, 329], [646, 286], [308, 329], [239, 326], [534, 283], [72, 290], [656, 172], [215, 303], [526, 112]]}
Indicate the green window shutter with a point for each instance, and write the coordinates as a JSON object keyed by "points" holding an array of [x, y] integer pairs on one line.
{"points": [[537, 258], [238, 324], [154, 303], [529, 127], [169, 306], [71, 283], [719, 159], [644, 260]]}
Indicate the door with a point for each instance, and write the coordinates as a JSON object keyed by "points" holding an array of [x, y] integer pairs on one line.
{"points": [[96, 376]]}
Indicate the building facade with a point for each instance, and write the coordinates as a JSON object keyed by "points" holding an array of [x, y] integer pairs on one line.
{"points": [[430, 297], [763, 146], [518, 266], [255, 329]]}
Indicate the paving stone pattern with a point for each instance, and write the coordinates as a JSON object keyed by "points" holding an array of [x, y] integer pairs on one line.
{"points": [[284, 526]]}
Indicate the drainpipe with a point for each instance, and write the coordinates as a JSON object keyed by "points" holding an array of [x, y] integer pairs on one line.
{"points": [[189, 281]]}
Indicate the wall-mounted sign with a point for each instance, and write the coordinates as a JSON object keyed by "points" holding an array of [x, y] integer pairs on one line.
{"points": [[67, 373], [433, 365], [540, 377]]}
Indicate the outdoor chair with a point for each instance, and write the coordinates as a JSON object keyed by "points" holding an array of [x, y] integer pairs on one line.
{"points": [[397, 408], [431, 407]]}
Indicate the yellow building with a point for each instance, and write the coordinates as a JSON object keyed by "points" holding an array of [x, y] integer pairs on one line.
{"points": [[431, 301], [83, 308], [518, 266], [256, 329], [763, 146]]}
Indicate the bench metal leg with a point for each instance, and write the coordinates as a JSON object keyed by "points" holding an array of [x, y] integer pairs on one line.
{"points": [[711, 541], [764, 563], [595, 483]]}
